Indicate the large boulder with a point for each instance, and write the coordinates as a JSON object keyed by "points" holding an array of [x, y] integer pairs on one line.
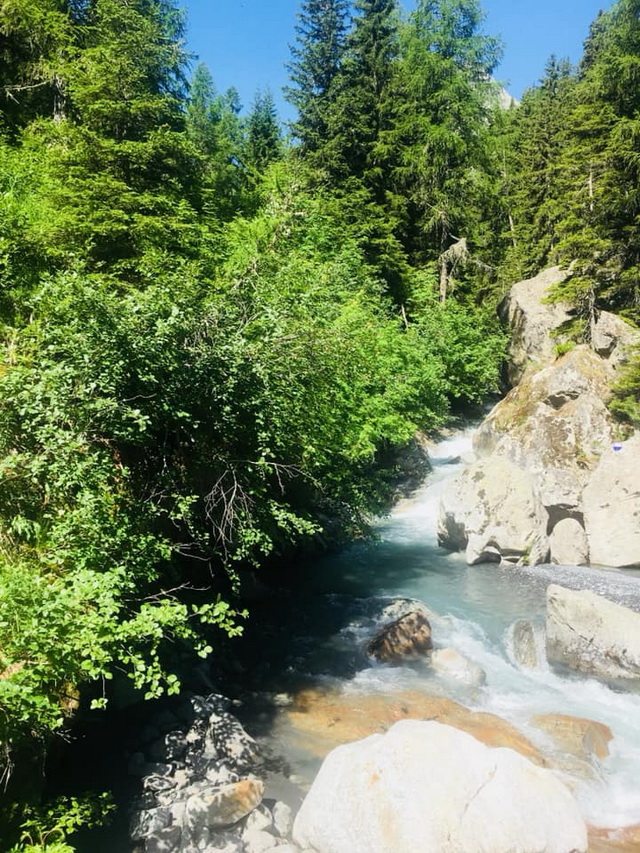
{"points": [[425, 787], [591, 634], [611, 502], [531, 320], [494, 513]]}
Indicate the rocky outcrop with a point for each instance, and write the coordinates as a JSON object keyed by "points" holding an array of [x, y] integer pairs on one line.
{"points": [[427, 786], [493, 512], [611, 506], [530, 319], [199, 791], [589, 633], [547, 484], [407, 638]]}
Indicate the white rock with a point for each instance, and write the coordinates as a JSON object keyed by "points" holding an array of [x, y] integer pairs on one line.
{"points": [[451, 663], [611, 503], [592, 634], [569, 544], [424, 787], [493, 511]]}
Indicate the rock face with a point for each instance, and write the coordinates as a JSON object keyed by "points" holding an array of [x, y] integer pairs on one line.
{"points": [[494, 513], [406, 638], [591, 634], [611, 502], [547, 484], [530, 319], [426, 786]]}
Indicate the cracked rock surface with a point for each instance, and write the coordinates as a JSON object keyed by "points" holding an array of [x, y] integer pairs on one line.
{"points": [[427, 786]]}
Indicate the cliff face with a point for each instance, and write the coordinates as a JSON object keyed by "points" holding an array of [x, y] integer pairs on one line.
{"points": [[551, 483]]}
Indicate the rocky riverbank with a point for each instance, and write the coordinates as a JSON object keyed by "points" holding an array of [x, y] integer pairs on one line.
{"points": [[555, 478]]}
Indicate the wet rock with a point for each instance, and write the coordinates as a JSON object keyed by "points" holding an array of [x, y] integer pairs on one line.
{"points": [[322, 721], [589, 633], [407, 638], [427, 786], [583, 738], [611, 503], [452, 664], [525, 650]]}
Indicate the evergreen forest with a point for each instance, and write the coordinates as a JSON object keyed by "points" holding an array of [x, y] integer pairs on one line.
{"points": [[218, 331]]}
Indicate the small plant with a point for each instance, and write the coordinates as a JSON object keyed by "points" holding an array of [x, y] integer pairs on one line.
{"points": [[564, 347], [47, 828]]}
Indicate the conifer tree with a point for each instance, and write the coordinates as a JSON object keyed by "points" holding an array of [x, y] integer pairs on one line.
{"points": [[263, 143], [315, 62]]}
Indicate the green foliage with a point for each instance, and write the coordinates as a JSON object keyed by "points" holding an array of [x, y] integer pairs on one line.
{"points": [[46, 829], [626, 392], [208, 342], [315, 62]]}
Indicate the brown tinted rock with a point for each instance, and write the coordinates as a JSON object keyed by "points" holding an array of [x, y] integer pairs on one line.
{"points": [[223, 806], [581, 737], [406, 638], [625, 839], [323, 721]]}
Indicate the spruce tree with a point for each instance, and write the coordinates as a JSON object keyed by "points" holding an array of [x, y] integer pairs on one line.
{"points": [[315, 62], [263, 137]]}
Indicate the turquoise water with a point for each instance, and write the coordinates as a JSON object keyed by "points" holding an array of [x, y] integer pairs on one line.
{"points": [[474, 609]]}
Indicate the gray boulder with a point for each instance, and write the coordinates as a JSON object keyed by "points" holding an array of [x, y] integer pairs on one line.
{"points": [[493, 512], [531, 321], [424, 786], [612, 337], [589, 633], [569, 544], [611, 505]]}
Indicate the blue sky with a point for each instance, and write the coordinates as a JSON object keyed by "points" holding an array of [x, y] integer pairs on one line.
{"points": [[245, 43]]}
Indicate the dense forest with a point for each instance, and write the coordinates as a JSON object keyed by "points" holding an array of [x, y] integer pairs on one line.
{"points": [[216, 331]]}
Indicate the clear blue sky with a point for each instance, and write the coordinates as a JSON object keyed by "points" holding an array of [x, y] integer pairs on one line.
{"points": [[245, 43]]}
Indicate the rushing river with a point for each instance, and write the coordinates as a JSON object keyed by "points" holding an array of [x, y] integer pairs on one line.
{"points": [[329, 619]]}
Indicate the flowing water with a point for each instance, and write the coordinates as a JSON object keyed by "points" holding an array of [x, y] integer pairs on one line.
{"points": [[331, 617]]}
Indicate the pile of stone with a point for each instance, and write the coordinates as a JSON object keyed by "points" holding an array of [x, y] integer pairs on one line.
{"points": [[200, 791]]}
